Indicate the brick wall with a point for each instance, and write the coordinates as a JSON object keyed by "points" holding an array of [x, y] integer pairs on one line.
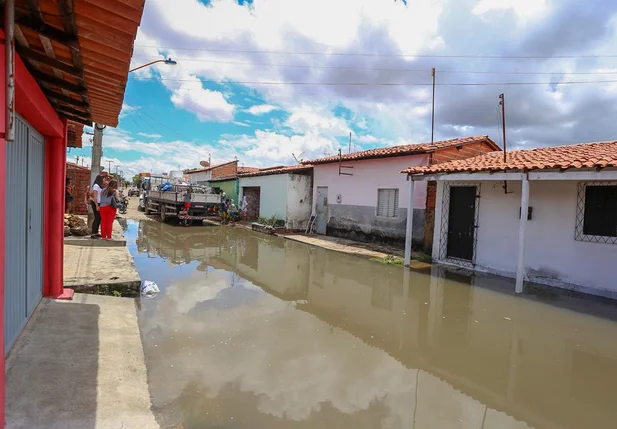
{"points": [[228, 170], [80, 179], [445, 155]]}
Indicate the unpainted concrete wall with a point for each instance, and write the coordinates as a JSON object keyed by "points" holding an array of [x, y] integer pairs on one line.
{"points": [[299, 200]]}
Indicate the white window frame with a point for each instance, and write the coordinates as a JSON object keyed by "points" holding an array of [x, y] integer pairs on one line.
{"points": [[396, 200]]}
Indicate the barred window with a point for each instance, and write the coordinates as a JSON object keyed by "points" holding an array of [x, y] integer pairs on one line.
{"points": [[387, 202], [597, 213]]}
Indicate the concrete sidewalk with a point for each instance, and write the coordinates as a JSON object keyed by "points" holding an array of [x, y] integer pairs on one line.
{"points": [[351, 247], [79, 365], [117, 238]]}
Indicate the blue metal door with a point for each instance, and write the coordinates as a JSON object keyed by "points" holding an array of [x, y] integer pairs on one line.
{"points": [[23, 229], [34, 255]]}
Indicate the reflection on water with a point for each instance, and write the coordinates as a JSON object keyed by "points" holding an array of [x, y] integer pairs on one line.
{"points": [[252, 331]]}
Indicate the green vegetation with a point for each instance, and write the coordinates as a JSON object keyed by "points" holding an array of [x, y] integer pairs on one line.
{"points": [[272, 221], [389, 260]]}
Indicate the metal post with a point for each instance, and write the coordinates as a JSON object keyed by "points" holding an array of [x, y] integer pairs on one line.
{"points": [[433, 115], [9, 35], [97, 152], [520, 271], [409, 229]]}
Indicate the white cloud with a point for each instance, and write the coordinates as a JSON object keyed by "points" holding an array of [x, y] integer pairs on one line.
{"points": [[206, 104], [261, 109], [310, 119], [523, 9], [150, 136]]}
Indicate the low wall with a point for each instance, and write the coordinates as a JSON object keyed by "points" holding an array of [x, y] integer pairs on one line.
{"points": [[360, 223]]}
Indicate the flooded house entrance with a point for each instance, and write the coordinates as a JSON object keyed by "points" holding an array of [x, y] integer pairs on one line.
{"points": [[253, 199], [321, 219], [462, 222]]}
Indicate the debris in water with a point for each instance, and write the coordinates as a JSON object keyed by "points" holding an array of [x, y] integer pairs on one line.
{"points": [[507, 318], [149, 289]]}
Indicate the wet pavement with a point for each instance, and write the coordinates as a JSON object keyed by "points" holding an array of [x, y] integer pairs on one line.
{"points": [[254, 331]]}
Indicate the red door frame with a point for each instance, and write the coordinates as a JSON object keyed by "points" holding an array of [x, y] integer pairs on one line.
{"points": [[33, 106]]}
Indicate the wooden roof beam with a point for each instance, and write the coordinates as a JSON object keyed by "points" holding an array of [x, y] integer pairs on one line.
{"points": [[61, 97], [83, 121], [73, 112], [33, 55], [60, 83], [48, 31]]}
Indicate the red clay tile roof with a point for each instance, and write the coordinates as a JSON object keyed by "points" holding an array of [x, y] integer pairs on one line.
{"points": [[242, 170], [212, 167], [582, 155], [280, 170], [404, 150]]}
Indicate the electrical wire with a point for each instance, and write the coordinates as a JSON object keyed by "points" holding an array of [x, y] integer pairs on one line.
{"points": [[364, 84], [427, 71], [364, 54]]}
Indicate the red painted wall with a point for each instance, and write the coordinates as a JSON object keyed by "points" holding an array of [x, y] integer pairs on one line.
{"points": [[32, 105]]}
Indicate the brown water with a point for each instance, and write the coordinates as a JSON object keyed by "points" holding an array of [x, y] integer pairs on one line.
{"points": [[252, 331]]}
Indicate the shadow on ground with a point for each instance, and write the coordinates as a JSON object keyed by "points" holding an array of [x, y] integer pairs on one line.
{"points": [[51, 375]]}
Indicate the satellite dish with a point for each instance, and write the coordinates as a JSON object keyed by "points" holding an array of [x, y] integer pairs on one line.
{"points": [[300, 158], [204, 164]]}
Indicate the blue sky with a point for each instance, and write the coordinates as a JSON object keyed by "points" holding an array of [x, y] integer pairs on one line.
{"points": [[267, 80]]}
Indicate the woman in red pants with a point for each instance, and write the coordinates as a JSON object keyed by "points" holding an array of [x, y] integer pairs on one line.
{"points": [[109, 197]]}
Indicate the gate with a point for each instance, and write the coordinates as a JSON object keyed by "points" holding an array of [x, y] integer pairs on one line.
{"points": [[321, 211], [25, 160]]}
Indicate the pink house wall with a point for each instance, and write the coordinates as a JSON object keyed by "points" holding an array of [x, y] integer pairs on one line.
{"points": [[369, 176]]}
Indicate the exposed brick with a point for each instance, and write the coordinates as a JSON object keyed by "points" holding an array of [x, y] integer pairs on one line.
{"points": [[80, 179]]}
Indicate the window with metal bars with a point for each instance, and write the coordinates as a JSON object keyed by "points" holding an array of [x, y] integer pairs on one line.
{"points": [[387, 202], [597, 212]]}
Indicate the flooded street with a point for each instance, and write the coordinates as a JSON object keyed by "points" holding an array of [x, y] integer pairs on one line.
{"points": [[253, 331]]}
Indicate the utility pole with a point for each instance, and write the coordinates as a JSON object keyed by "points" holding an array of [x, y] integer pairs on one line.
{"points": [[97, 152], [77, 159], [433, 114], [109, 164], [350, 142], [502, 103]]}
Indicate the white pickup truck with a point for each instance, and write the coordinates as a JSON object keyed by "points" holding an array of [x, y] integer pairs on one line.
{"points": [[168, 204]]}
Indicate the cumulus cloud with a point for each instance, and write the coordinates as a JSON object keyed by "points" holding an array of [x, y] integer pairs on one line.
{"points": [[261, 109], [328, 44]]}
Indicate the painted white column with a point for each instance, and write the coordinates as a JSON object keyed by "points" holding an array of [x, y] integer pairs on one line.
{"points": [[520, 271], [409, 230]]}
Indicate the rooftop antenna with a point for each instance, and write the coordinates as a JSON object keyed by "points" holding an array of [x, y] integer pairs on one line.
{"points": [[502, 103], [433, 114]]}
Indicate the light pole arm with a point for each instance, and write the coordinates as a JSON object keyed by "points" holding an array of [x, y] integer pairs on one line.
{"points": [[146, 65]]}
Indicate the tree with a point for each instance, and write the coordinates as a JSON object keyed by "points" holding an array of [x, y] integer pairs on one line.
{"points": [[136, 180]]}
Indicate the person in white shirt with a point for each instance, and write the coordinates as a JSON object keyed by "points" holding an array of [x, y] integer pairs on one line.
{"points": [[95, 200]]}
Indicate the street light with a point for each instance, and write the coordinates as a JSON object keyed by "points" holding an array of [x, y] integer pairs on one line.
{"points": [[167, 61]]}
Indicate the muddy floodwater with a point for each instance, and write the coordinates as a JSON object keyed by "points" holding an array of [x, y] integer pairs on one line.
{"points": [[252, 331]]}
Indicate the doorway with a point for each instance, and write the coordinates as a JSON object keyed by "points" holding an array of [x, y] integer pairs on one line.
{"points": [[25, 161], [321, 212], [253, 200], [462, 223]]}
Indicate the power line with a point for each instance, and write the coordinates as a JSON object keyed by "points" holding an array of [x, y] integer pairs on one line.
{"points": [[390, 69], [365, 54], [364, 84]]}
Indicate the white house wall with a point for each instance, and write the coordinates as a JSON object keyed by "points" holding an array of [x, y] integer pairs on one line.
{"points": [[273, 194], [299, 200], [355, 216], [552, 255], [202, 176]]}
